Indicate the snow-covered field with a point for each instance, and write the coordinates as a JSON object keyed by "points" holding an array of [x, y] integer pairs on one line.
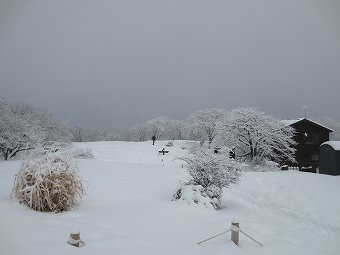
{"points": [[128, 210]]}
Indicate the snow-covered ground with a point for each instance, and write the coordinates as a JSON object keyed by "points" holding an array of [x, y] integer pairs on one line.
{"points": [[128, 210]]}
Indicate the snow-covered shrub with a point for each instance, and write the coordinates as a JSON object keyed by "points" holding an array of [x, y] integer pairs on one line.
{"points": [[170, 144], [265, 166], [194, 147], [48, 180], [196, 194], [210, 173], [83, 153]]}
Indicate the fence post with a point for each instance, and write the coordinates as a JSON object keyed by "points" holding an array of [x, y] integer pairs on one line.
{"points": [[74, 239], [235, 232]]}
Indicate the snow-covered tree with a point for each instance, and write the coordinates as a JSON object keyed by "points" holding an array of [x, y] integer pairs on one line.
{"points": [[43, 123], [24, 127], [111, 135], [10, 131], [196, 134], [91, 135], [157, 126], [203, 125], [139, 132], [174, 129], [178, 127], [16, 133], [77, 133], [256, 135]]}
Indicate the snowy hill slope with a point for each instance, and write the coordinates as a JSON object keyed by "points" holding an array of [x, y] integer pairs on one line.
{"points": [[128, 210]]}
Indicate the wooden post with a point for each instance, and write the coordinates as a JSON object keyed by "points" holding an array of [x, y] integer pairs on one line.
{"points": [[235, 232], [74, 239]]}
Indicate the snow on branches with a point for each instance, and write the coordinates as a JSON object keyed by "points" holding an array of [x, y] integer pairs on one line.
{"points": [[157, 126], [209, 174], [23, 127], [203, 125], [257, 136]]}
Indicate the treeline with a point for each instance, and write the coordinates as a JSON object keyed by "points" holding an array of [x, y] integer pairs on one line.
{"points": [[24, 127], [90, 135], [253, 134]]}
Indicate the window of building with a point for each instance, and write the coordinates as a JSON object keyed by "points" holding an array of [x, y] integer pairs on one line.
{"points": [[315, 157]]}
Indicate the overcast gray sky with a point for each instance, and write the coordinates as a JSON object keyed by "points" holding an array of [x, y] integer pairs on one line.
{"points": [[112, 64]]}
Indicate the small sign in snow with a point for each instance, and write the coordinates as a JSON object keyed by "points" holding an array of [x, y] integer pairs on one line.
{"points": [[163, 151]]}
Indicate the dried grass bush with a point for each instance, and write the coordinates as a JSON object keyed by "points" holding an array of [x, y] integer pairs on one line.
{"points": [[48, 180]]}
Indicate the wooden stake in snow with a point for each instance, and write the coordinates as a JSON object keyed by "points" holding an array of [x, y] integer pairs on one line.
{"points": [[235, 229], [74, 240]]}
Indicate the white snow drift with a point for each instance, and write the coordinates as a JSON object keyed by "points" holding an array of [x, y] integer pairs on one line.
{"points": [[128, 210]]}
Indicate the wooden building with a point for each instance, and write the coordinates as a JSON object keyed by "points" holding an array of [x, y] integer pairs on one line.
{"points": [[330, 158], [309, 136]]}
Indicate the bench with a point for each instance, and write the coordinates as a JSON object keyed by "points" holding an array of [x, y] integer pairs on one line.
{"points": [[216, 149], [163, 151]]}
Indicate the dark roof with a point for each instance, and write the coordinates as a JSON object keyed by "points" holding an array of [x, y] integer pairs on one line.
{"points": [[292, 122]]}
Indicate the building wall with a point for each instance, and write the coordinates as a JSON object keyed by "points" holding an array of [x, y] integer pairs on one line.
{"points": [[309, 137]]}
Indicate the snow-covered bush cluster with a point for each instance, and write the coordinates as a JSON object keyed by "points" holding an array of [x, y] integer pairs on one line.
{"points": [[170, 144], [82, 153], [208, 175], [48, 180], [197, 194], [264, 166]]}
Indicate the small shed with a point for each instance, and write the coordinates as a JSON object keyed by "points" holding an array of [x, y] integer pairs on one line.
{"points": [[330, 158]]}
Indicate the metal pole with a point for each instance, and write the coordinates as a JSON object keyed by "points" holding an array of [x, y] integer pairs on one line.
{"points": [[250, 238], [213, 237]]}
